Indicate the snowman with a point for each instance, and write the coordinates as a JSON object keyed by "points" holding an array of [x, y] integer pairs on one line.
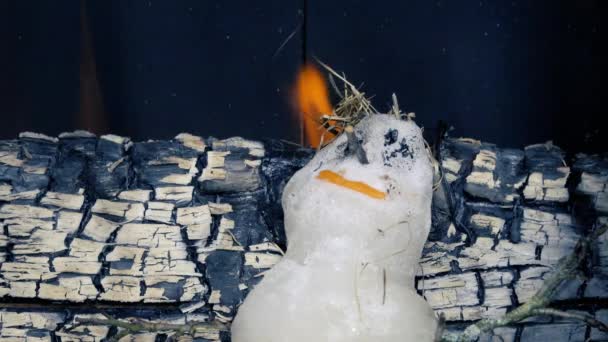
{"points": [[356, 218]]}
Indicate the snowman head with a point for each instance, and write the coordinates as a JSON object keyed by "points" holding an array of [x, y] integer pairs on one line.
{"points": [[337, 194]]}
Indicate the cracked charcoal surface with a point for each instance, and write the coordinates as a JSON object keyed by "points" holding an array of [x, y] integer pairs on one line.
{"points": [[179, 231]]}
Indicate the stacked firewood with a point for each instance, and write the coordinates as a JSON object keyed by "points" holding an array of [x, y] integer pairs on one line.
{"points": [[108, 238]]}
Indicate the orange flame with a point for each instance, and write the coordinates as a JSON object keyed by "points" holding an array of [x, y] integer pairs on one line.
{"points": [[312, 101]]}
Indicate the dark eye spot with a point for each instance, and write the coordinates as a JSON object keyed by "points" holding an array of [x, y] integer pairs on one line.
{"points": [[391, 137], [405, 149]]}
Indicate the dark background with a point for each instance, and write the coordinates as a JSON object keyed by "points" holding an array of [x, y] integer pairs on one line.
{"points": [[508, 72]]}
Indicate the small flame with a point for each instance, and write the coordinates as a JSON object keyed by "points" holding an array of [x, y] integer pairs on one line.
{"points": [[311, 101]]}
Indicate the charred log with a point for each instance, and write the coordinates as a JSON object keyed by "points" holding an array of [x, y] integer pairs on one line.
{"points": [[179, 231]]}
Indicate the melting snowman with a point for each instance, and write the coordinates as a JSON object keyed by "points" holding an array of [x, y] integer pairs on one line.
{"points": [[356, 217]]}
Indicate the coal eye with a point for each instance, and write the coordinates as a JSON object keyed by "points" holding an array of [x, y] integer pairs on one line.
{"points": [[391, 137]]}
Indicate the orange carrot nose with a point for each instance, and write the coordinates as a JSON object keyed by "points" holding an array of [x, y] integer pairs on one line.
{"points": [[360, 187]]}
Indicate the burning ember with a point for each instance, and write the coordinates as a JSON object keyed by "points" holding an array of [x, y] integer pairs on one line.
{"points": [[311, 100]]}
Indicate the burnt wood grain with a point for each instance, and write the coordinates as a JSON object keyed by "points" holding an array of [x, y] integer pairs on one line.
{"points": [[179, 231]]}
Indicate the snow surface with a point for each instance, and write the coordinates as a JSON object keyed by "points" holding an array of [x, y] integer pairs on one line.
{"points": [[348, 273]]}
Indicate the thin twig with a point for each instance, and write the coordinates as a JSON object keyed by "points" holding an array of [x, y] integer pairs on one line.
{"points": [[440, 327], [332, 82], [334, 118], [234, 238], [289, 37], [139, 326], [395, 107], [26, 153], [356, 288], [567, 268], [383, 286], [115, 164], [291, 142], [384, 230], [587, 318]]}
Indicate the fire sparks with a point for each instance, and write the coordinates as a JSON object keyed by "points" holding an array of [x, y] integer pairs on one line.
{"points": [[311, 102]]}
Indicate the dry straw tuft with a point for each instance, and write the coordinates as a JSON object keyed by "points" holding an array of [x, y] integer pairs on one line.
{"points": [[353, 106]]}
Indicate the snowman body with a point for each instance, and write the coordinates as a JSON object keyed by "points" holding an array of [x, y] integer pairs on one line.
{"points": [[348, 273]]}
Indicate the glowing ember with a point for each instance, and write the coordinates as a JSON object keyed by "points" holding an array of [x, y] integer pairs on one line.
{"points": [[312, 101]]}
